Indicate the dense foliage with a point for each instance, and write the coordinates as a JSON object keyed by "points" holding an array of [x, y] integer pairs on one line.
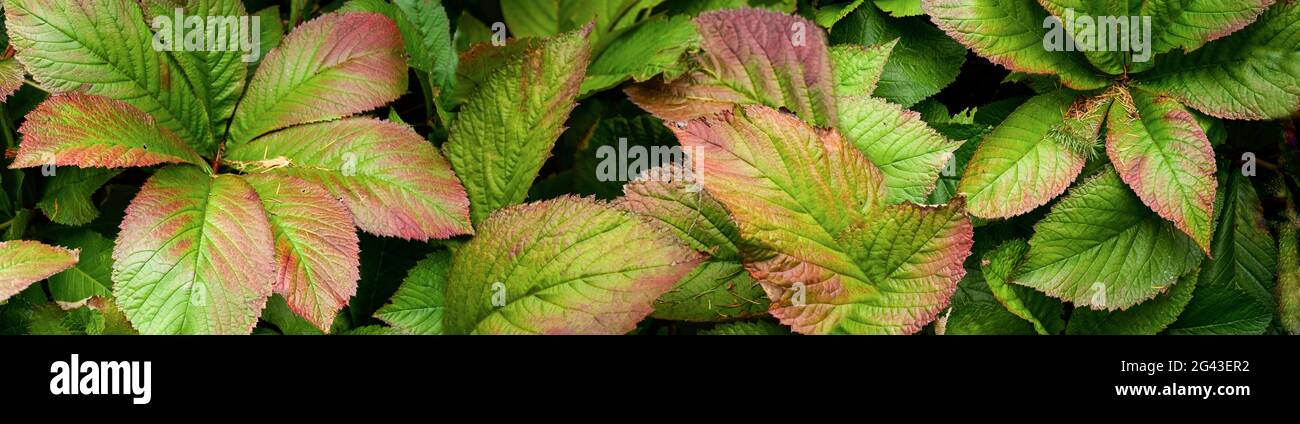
{"points": [[650, 167]]}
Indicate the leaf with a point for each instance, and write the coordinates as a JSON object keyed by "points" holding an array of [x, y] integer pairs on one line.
{"points": [[114, 60], [751, 56], [828, 15], [1108, 19], [12, 77], [1288, 279], [609, 18], [88, 131], [1163, 154], [361, 68], [426, 34], [1233, 291], [66, 196], [796, 191], [271, 35], [1148, 318], [1102, 248], [392, 180], [384, 264], [25, 262], [1252, 74], [748, 328], [982, 318], [92, 275], [901, 8], [857, 69], [1019, 166], [998, 267], [716, 290], [194, 256], [419, 304], [654, 46], [923, 61], [289, 323], [909, 153], [316, 252], [1011, 33], [216, 71], [564, 266], [1189, 24], [504, 132], [682, 207]]}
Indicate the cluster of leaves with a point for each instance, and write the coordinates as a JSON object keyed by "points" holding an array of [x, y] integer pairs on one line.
{"points": [[829, 189]]}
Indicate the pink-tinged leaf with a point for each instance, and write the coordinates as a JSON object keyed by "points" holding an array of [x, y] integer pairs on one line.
{"points": [[334, 66], [1164, 155], [393, 181], [564, 266], [90, 131], [11, 77], [835, 261], [1011, 33], [105, 48], [195, 255], [25, 262], [751, 56], [908, 261], [1022, 165], [316, 247]]}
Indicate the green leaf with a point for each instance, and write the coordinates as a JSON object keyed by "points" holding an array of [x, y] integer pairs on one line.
{"points": [[716, 290], [289, 323], [541, 18], [1012, 33], [503, 134], [750, 56], [1233, 292], [1163, 154], [115, 61], [982, 318], [839, 263], [470, 30], [748, 328], [901, 8], [828, 15], [910, 154], [1288, 279], [66, 196], [1020, 166], [654, 46], [1148, 318], [92, 275], [562, 266], [316, 249], [271, 35], [998, 267], [393, 181], [1189, 24], [1101, 247], [25, 262], [1093, 39], [89, 131], [194, 256], [419, 304], [216, 71], [857, 69], [334, 66], [923, 62], [1251, 74]]}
